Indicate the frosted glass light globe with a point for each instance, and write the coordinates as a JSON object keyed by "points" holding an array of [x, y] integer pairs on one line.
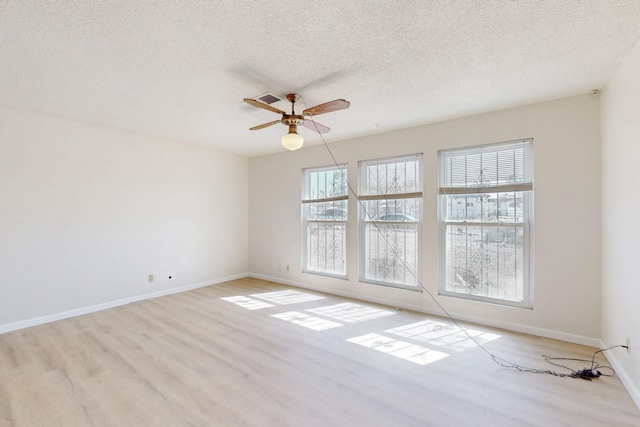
{"points": [[292, 141]]}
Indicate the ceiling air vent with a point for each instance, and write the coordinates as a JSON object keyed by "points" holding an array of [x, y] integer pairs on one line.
{"points": [[269, 98]]}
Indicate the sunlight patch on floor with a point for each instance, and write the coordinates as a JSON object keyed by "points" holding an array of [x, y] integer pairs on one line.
{"points": [[248, 303], [443, 334], [311, 322], [287, 297], [402, 349], [350, 312]]}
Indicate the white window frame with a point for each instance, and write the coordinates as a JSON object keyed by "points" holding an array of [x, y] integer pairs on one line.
{"points": [[394, 265], [325, 209], [486, 249]]}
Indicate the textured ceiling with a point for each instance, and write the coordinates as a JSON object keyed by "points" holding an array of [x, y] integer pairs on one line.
{"points": [[180, 69]]}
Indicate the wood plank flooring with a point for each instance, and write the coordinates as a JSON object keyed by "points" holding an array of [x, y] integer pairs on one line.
{"points": [[195, 359]]}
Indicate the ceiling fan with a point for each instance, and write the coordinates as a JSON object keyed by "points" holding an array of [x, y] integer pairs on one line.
{"points": [[292, 140]]}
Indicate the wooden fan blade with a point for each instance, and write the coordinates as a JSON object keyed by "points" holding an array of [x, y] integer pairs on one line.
{"points": [[265, 125], [327, 107], [263, 105], [315, 126]]}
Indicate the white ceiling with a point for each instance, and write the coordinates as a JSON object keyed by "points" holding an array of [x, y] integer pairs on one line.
{"points": [[180, 69]]}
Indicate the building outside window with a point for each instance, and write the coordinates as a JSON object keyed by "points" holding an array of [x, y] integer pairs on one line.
{"points": [[390, 218], [324, 216], [485, 207]]}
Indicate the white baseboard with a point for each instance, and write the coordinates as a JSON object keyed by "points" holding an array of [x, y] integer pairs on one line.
{"points": [[510, 326], [103, 306], [632, 388]]}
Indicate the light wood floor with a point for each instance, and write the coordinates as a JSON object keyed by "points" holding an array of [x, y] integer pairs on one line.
{"points": [[194, 359]]}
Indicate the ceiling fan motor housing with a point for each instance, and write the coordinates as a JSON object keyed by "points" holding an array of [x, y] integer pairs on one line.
{"points": [[292, 119]]}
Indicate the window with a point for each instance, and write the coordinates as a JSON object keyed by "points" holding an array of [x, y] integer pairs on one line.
{"points": [[485, 241], [390, 221], [324, 213]]}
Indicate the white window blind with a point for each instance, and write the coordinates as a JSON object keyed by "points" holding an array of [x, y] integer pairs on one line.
{"points": [[487, 169]]}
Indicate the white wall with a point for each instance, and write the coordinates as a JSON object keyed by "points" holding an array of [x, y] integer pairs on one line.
{"points": [[621, 217], [566, 136], [88, 212]]}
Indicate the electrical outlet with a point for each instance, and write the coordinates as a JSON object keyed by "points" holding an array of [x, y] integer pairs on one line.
{"points": [[288, 269], [151, 278], [628, 346]]}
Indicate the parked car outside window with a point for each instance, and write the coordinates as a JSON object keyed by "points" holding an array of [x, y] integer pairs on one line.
{"points": [[396, 217], [333, 215]]}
